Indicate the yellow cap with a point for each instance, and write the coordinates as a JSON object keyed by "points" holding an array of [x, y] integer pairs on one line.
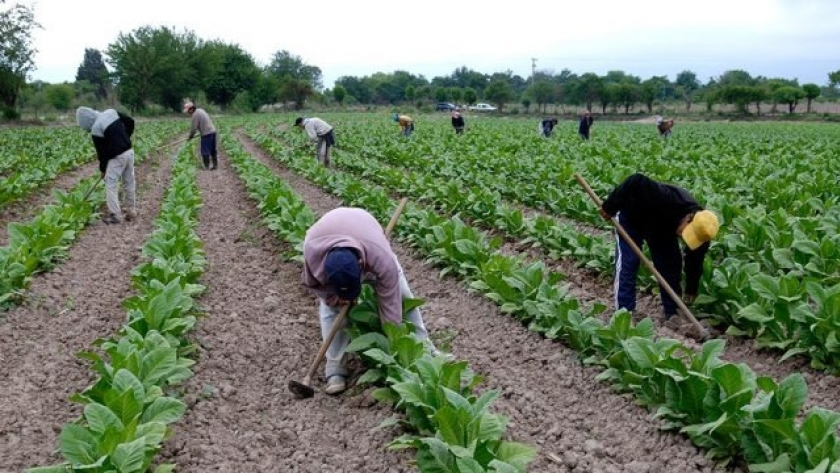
{"points": [[703, 227]]}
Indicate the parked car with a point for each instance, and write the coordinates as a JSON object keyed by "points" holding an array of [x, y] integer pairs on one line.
{"points": [[445, 107], [483, 107]]}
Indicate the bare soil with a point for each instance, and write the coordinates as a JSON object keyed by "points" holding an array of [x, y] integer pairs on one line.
{"points": [[65, 310], [552, 401]]}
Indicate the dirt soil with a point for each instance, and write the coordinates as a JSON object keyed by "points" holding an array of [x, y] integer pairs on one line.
{"points": [[553, 402], [261, 330], [65, 310]]}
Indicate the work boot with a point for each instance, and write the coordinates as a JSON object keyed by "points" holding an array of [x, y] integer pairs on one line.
{"points": [[215, 163], [672, 321], [336, 385], [130, 215], [110, 219], [206, 160]]}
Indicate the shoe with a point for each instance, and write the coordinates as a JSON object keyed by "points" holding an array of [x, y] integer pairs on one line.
{"points": [[130, 215], [336, 385], [446, 356], [111, 219]]}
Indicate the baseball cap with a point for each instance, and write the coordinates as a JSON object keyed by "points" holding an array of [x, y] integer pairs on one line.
{"points": [[298, 121], [344, 273], [188, 106], [702, 228]]}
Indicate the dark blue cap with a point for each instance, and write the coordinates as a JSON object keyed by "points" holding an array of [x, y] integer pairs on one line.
{"points": [[344, 273]]}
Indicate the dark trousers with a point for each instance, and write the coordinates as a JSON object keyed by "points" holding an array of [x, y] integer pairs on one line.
{"points": [[667, 259], [208, 150]]}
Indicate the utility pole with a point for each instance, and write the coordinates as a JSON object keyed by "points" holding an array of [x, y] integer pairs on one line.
{"points": [[533, 68]]}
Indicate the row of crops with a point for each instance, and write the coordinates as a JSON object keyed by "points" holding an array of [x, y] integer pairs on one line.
{"points": [[773, 272], [724, 407], [772, 277]]}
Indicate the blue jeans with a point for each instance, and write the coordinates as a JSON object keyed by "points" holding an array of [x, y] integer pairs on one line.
{"points": [[667, 259]]}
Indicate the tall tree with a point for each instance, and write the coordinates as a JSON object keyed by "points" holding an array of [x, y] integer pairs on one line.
{"points": [[16, 53], [298, 80], [60, 96], [833, 79], [499, 92], [542, 92], [689, 83], [157, 65], [811, 91], [234, 71], [93, 70], [339, 93]]}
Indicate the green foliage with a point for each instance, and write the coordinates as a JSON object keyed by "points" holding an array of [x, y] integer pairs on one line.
{"points": [[233, 72], [157, 65], [60, 96], [17, 53], [93, 71]]}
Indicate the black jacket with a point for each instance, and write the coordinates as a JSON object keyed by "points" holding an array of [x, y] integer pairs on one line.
{"points": [[116, 138], [655, 209]]}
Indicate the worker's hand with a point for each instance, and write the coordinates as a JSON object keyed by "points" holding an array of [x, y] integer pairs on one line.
{"points": [[604, 214], [689, 298]]}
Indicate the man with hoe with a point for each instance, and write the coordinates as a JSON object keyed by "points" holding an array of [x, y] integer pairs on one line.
{"points": [[343, 249], [659, 213]]}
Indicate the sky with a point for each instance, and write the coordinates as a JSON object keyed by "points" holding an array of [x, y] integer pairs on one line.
{"points": [[772, 38]]}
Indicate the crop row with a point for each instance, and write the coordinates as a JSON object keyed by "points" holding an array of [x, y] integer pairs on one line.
{"points": [[455, 430], [126, 415], [723, 407]]}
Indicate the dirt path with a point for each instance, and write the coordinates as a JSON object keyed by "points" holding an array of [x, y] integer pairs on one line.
{"points": [[552, 401], [261, 331], [23, 210], [66, 309]]}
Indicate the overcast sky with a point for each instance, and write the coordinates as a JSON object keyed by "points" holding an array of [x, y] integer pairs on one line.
{"points": [[774, 38]]}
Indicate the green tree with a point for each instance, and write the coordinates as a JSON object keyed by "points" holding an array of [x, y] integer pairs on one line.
{"points": [[542, 92], [834, 79], [16, 53], [457, 94], [60, 96], [689, 83], [93, 71], [811, 91], [339, 93], [739, 95], [587, 90], [499, 92], [157, 65], [357, 88], [789, 95], [647, 92], [233, 71], [298, 80], [526, 102], [470, 96]]}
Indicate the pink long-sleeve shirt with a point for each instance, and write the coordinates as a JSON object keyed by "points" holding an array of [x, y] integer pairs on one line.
{"points": [[348, 227]]}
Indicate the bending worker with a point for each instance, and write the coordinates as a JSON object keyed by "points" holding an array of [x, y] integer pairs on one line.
{"points": [[659, 213], [343, 249]]}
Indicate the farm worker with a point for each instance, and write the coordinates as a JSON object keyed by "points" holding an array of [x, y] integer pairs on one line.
{"points": [[202, 124], [320, 134], [111, 133], [343, 249], [457, 122], [405, 122], [547, 126], [656, 213], [585, 124], [664, 126]]}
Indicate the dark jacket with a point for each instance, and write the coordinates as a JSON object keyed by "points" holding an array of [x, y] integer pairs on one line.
{"points": [[458, 122], [585, 124], [655, 209], [110, 130]]}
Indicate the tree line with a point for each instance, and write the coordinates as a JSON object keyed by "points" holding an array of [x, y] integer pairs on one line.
{"points": [[160, 66]]}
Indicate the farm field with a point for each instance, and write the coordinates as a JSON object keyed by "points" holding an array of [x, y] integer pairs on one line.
{"points": [[513, 265]]}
